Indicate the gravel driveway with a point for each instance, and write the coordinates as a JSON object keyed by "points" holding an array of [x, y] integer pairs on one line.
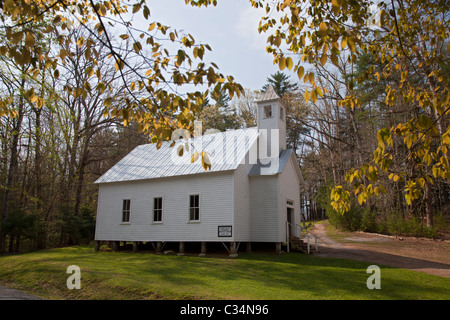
{"points": [[13, 294], [423, 255]]}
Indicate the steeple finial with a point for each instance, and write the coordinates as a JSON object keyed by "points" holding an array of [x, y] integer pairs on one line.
{"points": [[269, 94]]}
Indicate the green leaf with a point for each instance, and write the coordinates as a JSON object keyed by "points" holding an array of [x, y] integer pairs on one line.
{"points": [[425, 122], [334, 59], [136, 7], [146, 12], [137, 47]]}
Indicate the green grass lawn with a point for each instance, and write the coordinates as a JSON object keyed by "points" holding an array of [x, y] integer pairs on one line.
{"points": [[266, 276]]}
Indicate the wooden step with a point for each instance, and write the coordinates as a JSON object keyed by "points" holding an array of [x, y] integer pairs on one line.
{"points": [[300, 245]]}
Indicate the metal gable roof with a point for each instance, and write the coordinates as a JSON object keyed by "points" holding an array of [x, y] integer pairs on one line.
{"points": [[271, 168], [260, 169], [226, 151]]}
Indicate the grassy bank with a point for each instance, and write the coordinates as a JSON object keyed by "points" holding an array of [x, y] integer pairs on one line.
{"points": [[144, 275]]}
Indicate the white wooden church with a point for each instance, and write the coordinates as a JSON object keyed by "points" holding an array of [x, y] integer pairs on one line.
{"points": [[250, 194]]}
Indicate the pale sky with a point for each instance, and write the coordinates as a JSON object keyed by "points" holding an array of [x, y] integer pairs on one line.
{"points": [[230, 28]]}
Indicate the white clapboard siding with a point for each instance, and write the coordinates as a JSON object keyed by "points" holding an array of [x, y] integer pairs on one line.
{"points": [[242, 203], [216, 208], [289, 184], [264, 208]]}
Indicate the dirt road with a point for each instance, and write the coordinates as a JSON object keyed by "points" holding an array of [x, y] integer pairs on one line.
{"points": [[12, 294], [425, 255]]}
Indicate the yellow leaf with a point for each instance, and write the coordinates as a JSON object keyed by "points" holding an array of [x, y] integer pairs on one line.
{"points": [[152, 26], [277, 41], [180, 150], [282, 63], [40, 103], [306, 95], [343, 42], [206, 163], [322, 28], [118, 65], [351, 45], [319, 91], [313, 96], [195, 52], [285, 4], [194, 157], [289, 63], [323, 59], [404, 75], [325, 48], [89, 71], [311, 78], [360, 198], [206, 157], [300, 72], [102, 10], [377, 75]]}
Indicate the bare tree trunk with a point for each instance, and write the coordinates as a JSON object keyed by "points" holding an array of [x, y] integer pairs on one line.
{"points": [[81, 172], [428, 205], [13, 164]]}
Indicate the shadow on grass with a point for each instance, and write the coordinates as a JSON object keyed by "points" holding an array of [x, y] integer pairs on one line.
{"points": [[259, 275], [290, 276]]}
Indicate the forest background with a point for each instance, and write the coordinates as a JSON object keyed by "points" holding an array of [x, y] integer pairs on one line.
{"points": [[367, 109]]}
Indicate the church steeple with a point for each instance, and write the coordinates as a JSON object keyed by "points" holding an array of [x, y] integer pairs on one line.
{"points": [[272, 121]]}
